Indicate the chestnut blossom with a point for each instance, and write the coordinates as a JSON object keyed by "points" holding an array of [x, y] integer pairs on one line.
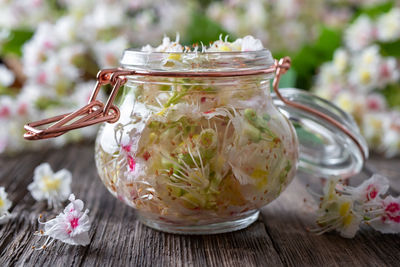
{"points": [[343, 208], [376, 102], [360, 34], [364, 75], [340, 60], [5, 205], [71, 226], [7, 77], [53, 187], [108, 53], [249, 43], [373, 127], [390, 144], [388, 26], [385, 217], [353, 80], [337, 212], [369, 190], [388, 72]]}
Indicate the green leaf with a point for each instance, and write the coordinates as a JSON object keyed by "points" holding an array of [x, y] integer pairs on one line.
{"points": [[392, 94], [203, 29], [16, 40], [390, 49], [44, 103], [375, 10]]}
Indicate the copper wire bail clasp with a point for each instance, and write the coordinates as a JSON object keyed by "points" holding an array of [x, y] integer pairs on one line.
{"points": [[281, 67], [92, 113]]}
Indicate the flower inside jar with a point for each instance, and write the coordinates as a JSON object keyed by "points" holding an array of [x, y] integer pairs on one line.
{"points": [[200, 150]]}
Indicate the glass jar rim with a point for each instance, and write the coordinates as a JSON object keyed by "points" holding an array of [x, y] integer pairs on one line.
{"points": [[135, 59]]}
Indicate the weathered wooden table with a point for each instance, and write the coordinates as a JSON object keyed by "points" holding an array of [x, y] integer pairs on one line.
{"points": [[278, 238]]}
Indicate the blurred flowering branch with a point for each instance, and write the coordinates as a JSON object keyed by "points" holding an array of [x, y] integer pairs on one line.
{"points": [[51, 51], [363, 78]]}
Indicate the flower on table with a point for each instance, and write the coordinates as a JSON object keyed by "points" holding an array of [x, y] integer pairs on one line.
{"points": [[54, 187], [337, 212], [5, 205], [71, 226], [385, 217], [369, 190], [343, 208]]}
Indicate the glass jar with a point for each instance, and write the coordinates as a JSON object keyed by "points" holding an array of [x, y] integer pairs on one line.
{"points": [[198, 146]]}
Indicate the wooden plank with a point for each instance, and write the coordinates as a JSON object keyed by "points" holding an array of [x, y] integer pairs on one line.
{"points": [[117, 238]]}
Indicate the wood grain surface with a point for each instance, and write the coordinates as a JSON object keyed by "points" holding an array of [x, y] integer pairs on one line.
{"points": [[278, 238]]}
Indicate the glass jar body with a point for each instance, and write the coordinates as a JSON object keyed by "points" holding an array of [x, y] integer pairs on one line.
{"points": [[197, 155]]}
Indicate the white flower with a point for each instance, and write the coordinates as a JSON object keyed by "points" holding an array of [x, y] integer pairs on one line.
{"points": [[388, 72], [337, 212], [386, 216], [288, 8], [369, 56], [373, 127], [105, 15], [6, 107], [108, 53], [71, 226], [55, 187], [343, 207], [65, 29], [5, 205], [349, 101], [7, 77], [376, 102], [340, 60], [249, 43], [370, 189], [364, 77], [295, 32], [388, 26], [390, 143], [360, 34]]}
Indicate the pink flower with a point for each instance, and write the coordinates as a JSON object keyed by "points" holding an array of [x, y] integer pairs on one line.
{"points": [[71, 226], [130, 159], [376, 102], [131, 163], [370, 189], [386, 216]]}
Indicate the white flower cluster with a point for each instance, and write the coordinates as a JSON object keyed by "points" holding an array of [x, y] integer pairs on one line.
{"points": [[356, 76], [247, 43], [343, 208], [364, 31], [68, 47], [274, 22], [284, 25]]}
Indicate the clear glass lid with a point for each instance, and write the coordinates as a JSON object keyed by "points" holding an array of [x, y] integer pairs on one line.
{"points": [[325, 149], [134, 59]]}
